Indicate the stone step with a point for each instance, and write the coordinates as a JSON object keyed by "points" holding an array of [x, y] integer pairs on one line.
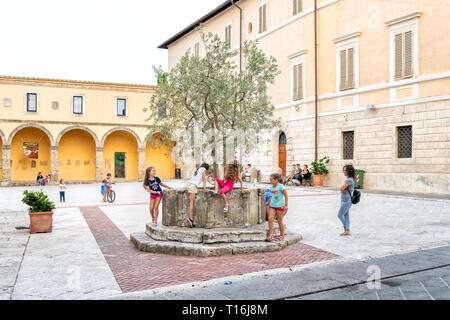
{"points": [[146, 244], [210, 236]]}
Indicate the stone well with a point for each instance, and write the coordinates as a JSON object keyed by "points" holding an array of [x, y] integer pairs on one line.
{"points": [[243, 229]]}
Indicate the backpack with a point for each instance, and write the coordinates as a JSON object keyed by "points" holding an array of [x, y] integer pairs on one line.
{"points": [[355, 197]]}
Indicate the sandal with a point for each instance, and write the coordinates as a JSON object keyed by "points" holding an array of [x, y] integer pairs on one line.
{"points": [[225, 210], [280, 238], [270, 238]]}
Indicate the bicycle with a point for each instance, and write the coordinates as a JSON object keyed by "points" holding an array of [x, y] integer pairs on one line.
{"points": [[111, 196]]}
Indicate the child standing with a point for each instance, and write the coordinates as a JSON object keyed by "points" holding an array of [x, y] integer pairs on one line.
{"points": [[62, 191], [192, 188], [279, 205], [227, 184], [153, 185]]}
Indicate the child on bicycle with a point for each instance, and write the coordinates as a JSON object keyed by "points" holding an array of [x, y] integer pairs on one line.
{"points": [[153, 185], [108, 185], [278, 205]]}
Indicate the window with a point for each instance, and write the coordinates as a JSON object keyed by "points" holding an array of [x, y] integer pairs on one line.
{"points": [[78, 105], [297, 76], [31, 102], [197, 49], [404, 46], [121, 105], [347, 69], [348, 144], [297, 6], [262, 17], [404, 141], [403, 55], [228, 36]]}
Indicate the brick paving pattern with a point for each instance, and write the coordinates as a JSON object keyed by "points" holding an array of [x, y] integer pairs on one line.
{"points": [[137, 271]]}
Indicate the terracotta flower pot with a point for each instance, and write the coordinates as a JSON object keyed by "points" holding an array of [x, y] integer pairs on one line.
{"points": [[41, 222], [318, 180]]}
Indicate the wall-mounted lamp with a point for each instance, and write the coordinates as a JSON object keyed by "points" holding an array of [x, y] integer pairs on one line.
{"points": [[370, 107]]}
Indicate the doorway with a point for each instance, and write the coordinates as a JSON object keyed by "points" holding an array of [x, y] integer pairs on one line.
{"points": [[119, 165], [282, 154]]}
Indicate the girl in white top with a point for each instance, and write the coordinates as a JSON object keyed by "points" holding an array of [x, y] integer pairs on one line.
{"points": [[192, 188]]}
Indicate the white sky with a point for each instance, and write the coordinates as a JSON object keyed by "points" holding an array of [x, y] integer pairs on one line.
{"points": [[94, 40]]}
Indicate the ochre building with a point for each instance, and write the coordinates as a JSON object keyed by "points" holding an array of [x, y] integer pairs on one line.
{"points": [[76, 130], [382, 99]]}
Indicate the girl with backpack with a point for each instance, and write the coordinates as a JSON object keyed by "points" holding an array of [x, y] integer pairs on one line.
{"points": [[347, 189]]}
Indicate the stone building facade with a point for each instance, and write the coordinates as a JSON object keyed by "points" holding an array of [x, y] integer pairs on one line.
{"points": [[383, 85], [81, 131]]}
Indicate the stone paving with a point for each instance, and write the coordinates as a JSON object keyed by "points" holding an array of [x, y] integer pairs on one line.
{"points": [[80, 259]]}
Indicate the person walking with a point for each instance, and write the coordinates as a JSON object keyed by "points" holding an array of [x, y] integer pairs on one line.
{"points": [[346, 188], [62, 191]]}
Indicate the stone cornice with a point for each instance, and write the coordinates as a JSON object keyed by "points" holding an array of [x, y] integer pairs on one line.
{"points": [[403, 18], [347, 36], [106, 124]]}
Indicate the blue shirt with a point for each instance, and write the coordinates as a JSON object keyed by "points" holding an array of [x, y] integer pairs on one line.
{"points": [[154, 185], [268, 195], [278, 200]]}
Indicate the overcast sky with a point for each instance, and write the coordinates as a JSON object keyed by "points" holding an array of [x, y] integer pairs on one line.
{"points": [[95, 40]]}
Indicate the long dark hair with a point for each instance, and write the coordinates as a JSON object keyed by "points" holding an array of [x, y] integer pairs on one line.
{"points": [[204, 165], [147, 174], [351, 173]]}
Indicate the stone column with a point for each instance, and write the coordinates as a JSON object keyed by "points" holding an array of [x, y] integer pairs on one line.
{"points": [[98, 164], [6, 165], [141, 163], [54, 162]]}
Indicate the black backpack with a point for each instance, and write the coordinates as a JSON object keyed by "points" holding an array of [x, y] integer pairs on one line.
{"points": [[355, 197]]}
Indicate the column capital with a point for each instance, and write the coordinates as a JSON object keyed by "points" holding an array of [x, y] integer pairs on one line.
{"points": [[54, 148], [99, 149], [6, 147]]}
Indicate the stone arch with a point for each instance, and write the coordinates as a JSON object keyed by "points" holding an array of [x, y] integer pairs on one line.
{"points": [[162, 157], [62, 133], [3, 137], [31, 125], [105, 136]]}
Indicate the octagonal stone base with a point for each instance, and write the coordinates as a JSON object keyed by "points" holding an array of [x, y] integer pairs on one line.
{"points": [[202, 242]]}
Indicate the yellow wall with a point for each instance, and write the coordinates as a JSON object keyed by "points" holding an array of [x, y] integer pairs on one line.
{"points": [[121, 141], [21, 167], [76, 159], [161, 159], [1, 158]]}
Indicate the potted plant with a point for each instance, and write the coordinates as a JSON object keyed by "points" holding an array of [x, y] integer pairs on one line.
{"points": [[319, 169], [40, 211]]}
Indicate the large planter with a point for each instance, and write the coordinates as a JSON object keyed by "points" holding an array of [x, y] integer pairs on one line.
{"points": [[41, 222], [318, 180]]}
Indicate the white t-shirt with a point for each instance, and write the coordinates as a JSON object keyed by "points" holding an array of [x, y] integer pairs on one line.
{"points": [[196, 179]]}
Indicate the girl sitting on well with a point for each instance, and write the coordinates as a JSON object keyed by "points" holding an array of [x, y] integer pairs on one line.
{"points": [[227, 184]]}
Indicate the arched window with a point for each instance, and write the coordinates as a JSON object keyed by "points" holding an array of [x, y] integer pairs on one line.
{"points": [[282, 141]]}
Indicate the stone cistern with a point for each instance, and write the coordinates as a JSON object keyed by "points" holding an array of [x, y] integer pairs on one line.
{"points": [[243, 229]]}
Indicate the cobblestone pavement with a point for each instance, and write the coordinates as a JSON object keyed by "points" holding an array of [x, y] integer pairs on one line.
{"points": [[85, 256], [423, 275]]}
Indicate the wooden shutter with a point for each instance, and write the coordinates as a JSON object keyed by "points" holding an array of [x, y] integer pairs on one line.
{"points": [[408, 55], [295, 78], [350, 66], [299, 6], [260, 19], [343, 76], [265, 17], [399, 56], [300, 81], [294, 7]]}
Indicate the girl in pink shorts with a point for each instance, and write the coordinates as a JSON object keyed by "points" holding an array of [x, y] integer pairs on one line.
{"points": [[227, 184], [153, 185]]}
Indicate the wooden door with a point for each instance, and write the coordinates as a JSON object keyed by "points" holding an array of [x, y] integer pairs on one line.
{"points": [[282, 159]]}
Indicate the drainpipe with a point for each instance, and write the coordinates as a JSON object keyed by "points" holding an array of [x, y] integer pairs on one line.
{"points": [[316, 95], [240, 34]]}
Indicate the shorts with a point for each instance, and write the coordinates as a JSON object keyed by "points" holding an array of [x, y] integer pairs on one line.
{"points": [[279, 209], [156, 196], [226, 187], [191, 188]]}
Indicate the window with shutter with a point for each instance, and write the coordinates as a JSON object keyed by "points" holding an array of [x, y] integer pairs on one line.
{"points": [[350, 66], [297, 6], [260, 19], [265, 18], [197, 49], [404, 55], [298, 82], [228, 36], [347, 69]]}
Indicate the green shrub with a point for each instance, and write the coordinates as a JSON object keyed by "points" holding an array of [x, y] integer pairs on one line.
{"points": [[37, 201], [320, 167]]}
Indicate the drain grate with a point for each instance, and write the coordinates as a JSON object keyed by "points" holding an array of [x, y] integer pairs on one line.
{"points": [[23, 228]]}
